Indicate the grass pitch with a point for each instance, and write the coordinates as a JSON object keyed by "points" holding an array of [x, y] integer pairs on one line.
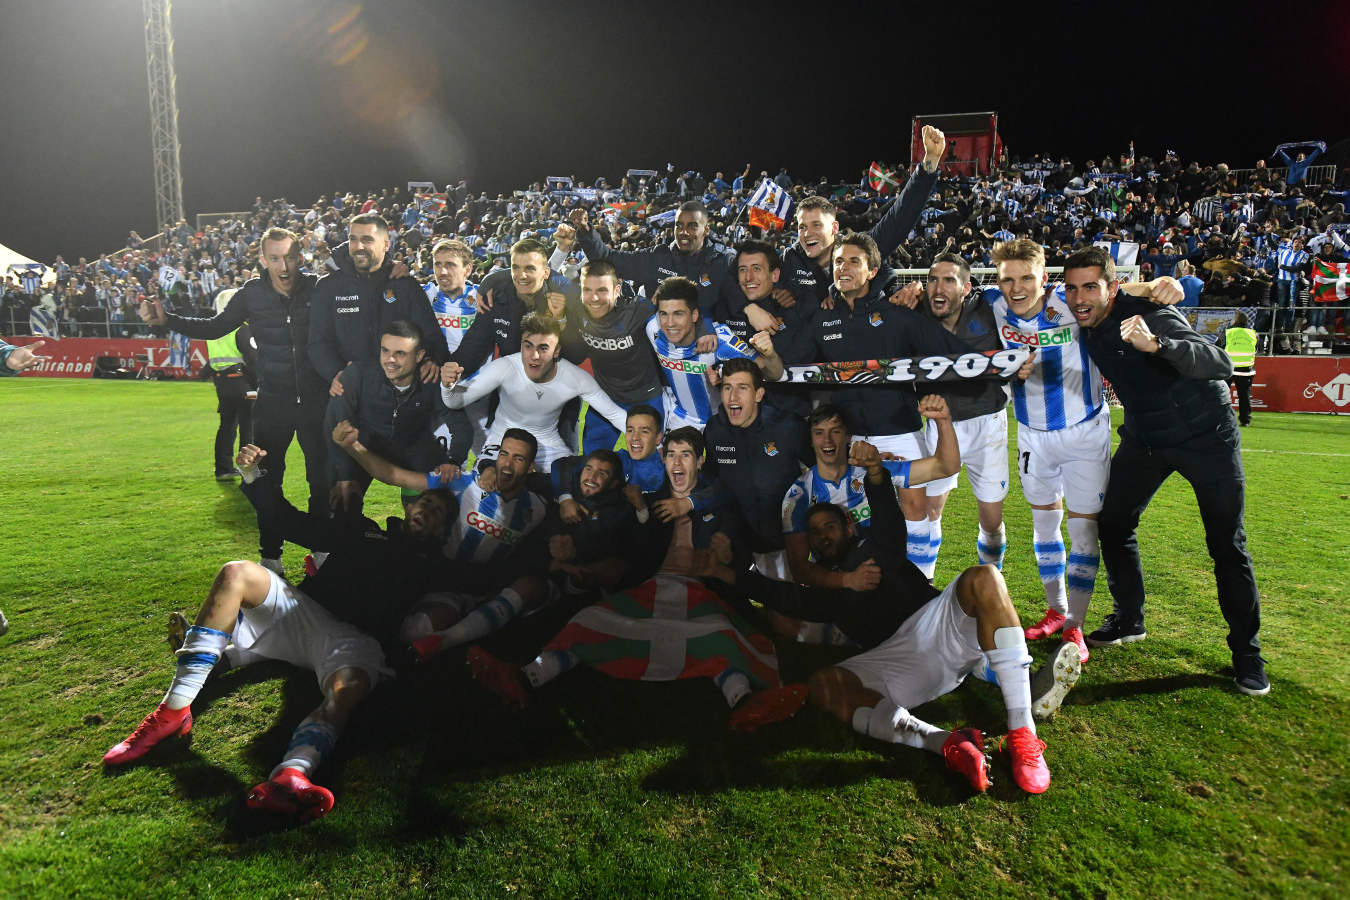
{"points": [[1166, 781]]}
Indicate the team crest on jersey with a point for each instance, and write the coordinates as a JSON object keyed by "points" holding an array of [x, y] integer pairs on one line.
{"points": [[855, 485], [770, 448], [1052, 314], [874, 319], [704, 281], [389, 296], [708, 517]]}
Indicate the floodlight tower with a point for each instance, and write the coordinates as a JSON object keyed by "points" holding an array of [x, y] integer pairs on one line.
{"points": [[163, 112]]}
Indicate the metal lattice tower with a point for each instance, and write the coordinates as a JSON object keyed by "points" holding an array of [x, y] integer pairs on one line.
{"points": [[163, 112]]}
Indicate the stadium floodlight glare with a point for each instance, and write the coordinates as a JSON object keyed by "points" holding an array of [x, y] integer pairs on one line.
{"points": [[163, 112]]}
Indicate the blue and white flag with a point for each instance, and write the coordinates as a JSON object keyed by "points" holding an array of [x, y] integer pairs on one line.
{"points": [[180, 349], [41, 322], [772, 201], [1125, 253], [662, 219], [167, 276]]}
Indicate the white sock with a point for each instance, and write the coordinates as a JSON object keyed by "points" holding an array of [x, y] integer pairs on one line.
{"points": [[199, 654], [1050, 556], [311, 741], [1081, 573], [821, 633], [549, 665], [934, 545], [734, 684], [991, 546], [888, 722], [1012, 663], [484, 620], [917, 546]]}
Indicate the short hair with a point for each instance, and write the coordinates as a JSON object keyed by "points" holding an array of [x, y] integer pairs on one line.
{"points": [[609, 458], [686, 435], [540, 323], [740, 364], [643, 409], [677, 287], [457, 247], [599, 268], [277, 233], [370, 218], [817, 203], [694, 206], [441, 494], [863, 242], [962, 267], [1240, 319], [405, 329], [1019, 250], [829, 509], [753, 247], [529, 245], [824, 413], [520, 434], [1089, 257]]}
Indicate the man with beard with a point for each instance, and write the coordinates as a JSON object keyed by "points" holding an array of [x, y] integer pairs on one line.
{"points": [[454, 302], [353, 305]]}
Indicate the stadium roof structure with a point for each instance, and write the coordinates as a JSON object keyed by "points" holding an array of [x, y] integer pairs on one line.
{"points": [[13, 259]]}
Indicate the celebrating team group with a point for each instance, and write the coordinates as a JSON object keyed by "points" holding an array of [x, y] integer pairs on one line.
{"points": [[717, 502]]}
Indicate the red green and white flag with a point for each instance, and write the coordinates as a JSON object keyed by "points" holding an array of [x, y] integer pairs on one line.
{"points": [[1330, 282], [633, 209], [667, 628], [881, 178]]}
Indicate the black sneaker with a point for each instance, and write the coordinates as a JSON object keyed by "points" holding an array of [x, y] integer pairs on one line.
{"points": [[1250, 675], [1116, 631]]}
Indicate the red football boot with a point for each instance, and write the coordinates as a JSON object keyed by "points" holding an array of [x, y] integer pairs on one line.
{"points": [[1052, 622], [157, 726], [1025, 751], [290, 793], [964, 753]]}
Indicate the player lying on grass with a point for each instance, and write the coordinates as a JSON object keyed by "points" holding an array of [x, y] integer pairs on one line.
{"points": [[935, 639], [251, 614], [672, 624]]}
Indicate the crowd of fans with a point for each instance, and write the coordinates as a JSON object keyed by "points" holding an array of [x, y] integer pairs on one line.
{"points": [[1237, 238]]}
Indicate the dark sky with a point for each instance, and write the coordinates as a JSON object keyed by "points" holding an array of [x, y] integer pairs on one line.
{"points": [[299, 97]]}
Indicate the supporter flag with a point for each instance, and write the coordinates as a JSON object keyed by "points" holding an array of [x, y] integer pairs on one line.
{"points": [[881, 178], [770, 206], [1125, 253], [662, 219], [42, 322], [1330, 282], [632, 209], [180, 348]]}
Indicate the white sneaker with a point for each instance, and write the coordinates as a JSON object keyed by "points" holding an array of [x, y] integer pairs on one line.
{"points": [[1310, 330], [4, 623], [1322, 330], [1051, 684], [273, 565]]}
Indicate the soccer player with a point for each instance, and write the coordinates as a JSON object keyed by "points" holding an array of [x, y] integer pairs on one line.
{"points": [[937, 638], [767, 306], [454, 303], [251, 614], [532, 387], [1063, 431], [1178, 418], [689, 396], [978, 411], [641, 457]]}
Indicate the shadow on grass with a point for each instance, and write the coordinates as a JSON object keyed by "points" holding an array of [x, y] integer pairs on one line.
{"points": [[1086, 694]]}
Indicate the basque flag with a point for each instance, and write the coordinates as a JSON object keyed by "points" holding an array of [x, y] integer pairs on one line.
{"points": [[881, 178], [770, 206], [1330, 282]]}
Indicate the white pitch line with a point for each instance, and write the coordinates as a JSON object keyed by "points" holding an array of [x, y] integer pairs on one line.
{"points": [[1292, 452]]}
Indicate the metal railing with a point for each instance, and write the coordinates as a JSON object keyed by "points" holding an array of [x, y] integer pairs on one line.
{"points": [[1316, 174]]}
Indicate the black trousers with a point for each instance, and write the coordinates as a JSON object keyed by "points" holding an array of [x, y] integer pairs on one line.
{"points": [[276, 420], [236, 416], [1212, 463], [1243, 385]]}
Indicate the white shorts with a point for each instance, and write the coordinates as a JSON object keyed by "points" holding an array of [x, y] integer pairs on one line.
{"points": [[929, 655], [291, 627], [1072, 463], [773, 565], [984, 452], [910, 446]]}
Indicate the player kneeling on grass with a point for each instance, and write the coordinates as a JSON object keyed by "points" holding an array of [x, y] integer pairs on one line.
{"points": [[251, 614], [940, 638]]}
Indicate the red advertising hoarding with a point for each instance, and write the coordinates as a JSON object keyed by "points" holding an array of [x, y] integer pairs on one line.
{"points": [[1314, 384], [76, 357]]}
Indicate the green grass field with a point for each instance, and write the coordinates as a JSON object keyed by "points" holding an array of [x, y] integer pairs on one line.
{"points": [[1166, 781]]}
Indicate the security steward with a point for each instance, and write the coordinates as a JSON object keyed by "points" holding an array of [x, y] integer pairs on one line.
{"points": [[233, 364], [1240, 342]]}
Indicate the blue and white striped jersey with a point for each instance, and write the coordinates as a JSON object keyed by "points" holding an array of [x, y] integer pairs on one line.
{"points": [[487, 527], [1288, 256], [1065, 387], [453, 314], [848, 492], [686, 372]]}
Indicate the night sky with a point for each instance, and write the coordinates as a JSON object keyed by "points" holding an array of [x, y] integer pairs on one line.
{"points": [[300, 97]]}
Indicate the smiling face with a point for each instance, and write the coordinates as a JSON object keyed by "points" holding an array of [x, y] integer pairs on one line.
{"points": [[529, 272], [682, 465], [816, 231], [599, 293], [1022, 284], [829, 441], [595, 477], [1089, 295], [513, 464], [852, 271], [827, 535], [399, 357], [755, 277], [946, 289], [426, 515], [367, 247], [677, 320], [740, 398], [281, 261], [643, 436], [691, 228], [539, 353]]}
